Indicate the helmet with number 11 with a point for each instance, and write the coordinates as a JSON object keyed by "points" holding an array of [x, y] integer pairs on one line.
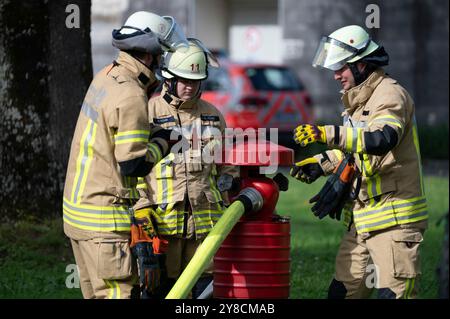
{"points": [[191, 64]]}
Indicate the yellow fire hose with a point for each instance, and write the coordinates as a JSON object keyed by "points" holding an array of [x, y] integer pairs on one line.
{"points": [[212, 242]]}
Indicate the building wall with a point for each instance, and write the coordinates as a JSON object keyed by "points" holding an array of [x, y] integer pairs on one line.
{"points": [[248, 12], [254, 32], [181, 10], [414, 33], [211, 23], [107, 15]]}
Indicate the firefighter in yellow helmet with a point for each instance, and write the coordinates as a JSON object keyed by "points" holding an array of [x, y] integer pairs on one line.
{"points": [[387, 218], [182, 188], [112, 146]]}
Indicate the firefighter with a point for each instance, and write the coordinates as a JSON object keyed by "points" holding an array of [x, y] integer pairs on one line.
{"points": [[182, 187], [388, 217], [111, 147]]}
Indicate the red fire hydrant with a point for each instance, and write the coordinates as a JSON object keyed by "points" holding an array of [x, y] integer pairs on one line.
{"points": [[254, 260]]}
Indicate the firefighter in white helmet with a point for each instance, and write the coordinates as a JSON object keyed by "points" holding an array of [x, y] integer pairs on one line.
{"points": [[112, 146], [185, 199], [387, 218]]}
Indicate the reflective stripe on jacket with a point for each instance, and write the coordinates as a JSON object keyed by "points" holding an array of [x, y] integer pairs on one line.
{"points": [[185, 174], [111, 135], [380, 128]]}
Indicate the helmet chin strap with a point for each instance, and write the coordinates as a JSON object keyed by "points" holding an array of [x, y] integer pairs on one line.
{"points": [[154, 65], [173, 86], [376, 59], [359, 76]]}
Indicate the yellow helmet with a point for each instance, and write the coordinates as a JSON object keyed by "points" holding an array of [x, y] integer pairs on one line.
{"points": [[189, 64], [345, 45]]}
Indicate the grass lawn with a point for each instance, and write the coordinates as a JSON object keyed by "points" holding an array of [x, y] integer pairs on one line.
{"points": [[34, 255], [314, 242]]}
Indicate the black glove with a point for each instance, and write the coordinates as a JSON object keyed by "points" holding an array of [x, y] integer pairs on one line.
{"points": [[331, 198], [164, 138], [228, 183], [307, 171], [336, 191], [159, 132]]}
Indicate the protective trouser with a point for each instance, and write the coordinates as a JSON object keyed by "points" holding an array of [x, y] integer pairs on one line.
{"points": [[387, 261], [179, 254], [107, 270]]}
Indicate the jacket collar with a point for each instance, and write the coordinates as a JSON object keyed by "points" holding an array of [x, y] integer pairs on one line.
{"points": [[137, 69], [176, 102], [360, 94]]}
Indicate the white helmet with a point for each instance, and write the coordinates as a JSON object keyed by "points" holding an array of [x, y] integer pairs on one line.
{"points": [[189, 64], [148, 32], [345, 45]]}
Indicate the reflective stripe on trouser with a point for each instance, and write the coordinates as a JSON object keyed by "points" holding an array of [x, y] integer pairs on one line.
{"points": [[96, 218], [114, 289], [89, 258], [410, 290], [380, 261], [390, 214]]}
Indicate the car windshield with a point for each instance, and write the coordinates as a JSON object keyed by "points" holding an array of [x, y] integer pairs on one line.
{"points": [[273, 79], [218, 80]]}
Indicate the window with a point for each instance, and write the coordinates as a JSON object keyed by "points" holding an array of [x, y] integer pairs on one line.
{"points": [[218, 80], [274, 79]]}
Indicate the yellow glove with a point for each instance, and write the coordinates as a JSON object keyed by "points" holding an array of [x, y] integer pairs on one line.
{"points": [[306, 134], [143, 218], [307, 171]]}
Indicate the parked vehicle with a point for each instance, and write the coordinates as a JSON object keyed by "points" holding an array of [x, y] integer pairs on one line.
{"points": [[259, 96]]}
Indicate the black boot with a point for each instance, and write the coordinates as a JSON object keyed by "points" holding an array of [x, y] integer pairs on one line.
{"points": [[164, 288], [201, 285]]}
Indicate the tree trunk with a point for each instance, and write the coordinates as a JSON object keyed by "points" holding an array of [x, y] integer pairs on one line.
{"points": [[45, 69]]}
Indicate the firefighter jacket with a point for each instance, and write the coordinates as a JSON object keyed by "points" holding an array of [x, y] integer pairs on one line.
{"points": [[110, 149], [186, 176], [380, 129]]}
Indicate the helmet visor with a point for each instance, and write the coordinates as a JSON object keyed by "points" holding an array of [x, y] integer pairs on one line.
{"points": [[175, 38], [211, 59], [333, 54]]}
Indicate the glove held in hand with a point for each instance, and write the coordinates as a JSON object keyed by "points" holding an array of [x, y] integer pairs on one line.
{"points": [[336, 191]]}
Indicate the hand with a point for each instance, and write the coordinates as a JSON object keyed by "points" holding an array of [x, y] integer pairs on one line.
{"points": [[142, 217], [336, 192], [165, 139], [170, 136], [228, 183], [331, 199], [307, 171], [306, 134]]}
